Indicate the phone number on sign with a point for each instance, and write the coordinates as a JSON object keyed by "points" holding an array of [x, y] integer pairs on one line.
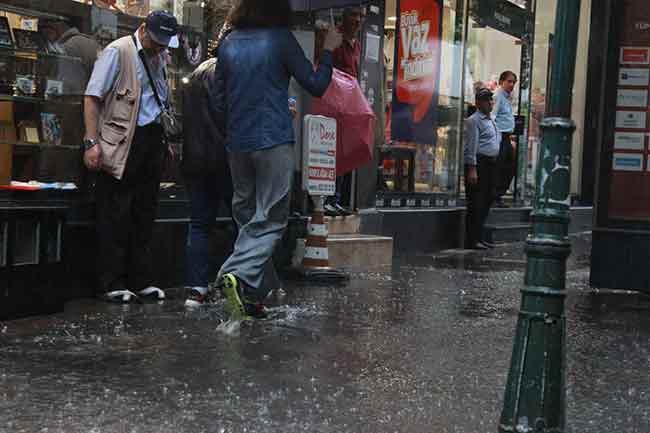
{"points": [[318, 173]]}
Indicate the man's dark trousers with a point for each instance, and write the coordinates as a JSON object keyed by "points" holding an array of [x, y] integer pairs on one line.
{"points": [[480, 198], [507, 164], [126, 210], [206, 193]]}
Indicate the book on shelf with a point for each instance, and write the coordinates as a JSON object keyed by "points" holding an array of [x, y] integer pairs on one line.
{"points": [[6, 40], [51, 128], [29, 40]]}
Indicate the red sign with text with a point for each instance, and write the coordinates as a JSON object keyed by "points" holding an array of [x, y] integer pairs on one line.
{"points": [[636, 56], [417, 68]]}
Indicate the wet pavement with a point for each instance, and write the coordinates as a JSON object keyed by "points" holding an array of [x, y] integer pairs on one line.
{"points": [[424, 347]]}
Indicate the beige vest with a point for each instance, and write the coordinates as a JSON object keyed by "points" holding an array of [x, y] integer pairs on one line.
{"points": [[119, 116]]}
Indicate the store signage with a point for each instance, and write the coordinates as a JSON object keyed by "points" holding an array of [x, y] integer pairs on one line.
{"points": [[628, 162], [631, 119], [417, 65], [634, 17], [629, 141], [319, 158], [634, 77], [501, 15], [635, 56], [632, 98]]}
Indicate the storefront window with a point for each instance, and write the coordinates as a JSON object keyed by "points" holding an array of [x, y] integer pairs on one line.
{"points": [[41, 88], [542, 59], [417, 167], [544, 28], [42, 81], [498, 41]]}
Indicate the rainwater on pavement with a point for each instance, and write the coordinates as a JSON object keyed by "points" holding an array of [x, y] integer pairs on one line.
{"points": [[423, 347]]}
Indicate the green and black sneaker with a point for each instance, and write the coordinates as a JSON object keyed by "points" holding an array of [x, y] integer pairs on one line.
{"points": [[234, 296], [238, 306]]}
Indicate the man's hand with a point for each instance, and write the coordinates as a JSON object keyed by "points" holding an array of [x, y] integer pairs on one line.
{"points": [[472, 175], [93, 158], [333, 40]]}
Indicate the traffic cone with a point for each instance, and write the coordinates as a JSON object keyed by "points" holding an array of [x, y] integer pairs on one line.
{"points": [[315, 263]]}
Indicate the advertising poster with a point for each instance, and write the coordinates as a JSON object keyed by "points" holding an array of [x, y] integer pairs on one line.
{"points": [[633, 77], [632, 98], [417, 66], [631, 119], [319, 146], [629, 190], [629, 141]]}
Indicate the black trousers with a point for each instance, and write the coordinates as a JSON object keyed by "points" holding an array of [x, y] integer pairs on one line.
{"points": [[343, 191], [507, 164], [480, 198], [126, 210]]}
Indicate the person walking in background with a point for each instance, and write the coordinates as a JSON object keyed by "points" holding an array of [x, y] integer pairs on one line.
{"points": [[347, 58], [480, 156], [257, 60], [505, 121], [124, 141], [205, 169], [206, 173]]}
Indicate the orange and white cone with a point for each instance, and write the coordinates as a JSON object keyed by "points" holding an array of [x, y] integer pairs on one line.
{"points": [[315, 263], [316, 253]]}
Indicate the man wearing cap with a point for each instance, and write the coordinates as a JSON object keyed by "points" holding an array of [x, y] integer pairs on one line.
{"points": [[481, 150], [124, 142]]}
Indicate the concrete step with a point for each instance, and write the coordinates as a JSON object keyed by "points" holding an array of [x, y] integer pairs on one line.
{"points": [[506, 233], [353, 251], [509, 215], [348, 225]]}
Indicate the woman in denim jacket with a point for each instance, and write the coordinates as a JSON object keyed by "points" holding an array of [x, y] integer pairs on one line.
{"points": [[256, 62]]}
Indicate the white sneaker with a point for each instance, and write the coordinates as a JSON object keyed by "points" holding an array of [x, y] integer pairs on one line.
{"points": [[123, 296], [152, 292], [197, 297]]}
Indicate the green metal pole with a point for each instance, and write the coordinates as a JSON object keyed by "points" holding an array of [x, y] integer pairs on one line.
{"points": [[534, 400]]}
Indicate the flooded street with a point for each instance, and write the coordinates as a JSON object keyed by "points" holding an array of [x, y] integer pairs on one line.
{"points": [[424, 347]]}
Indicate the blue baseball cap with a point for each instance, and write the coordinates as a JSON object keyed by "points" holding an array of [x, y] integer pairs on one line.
{"points": [[163, 28]]}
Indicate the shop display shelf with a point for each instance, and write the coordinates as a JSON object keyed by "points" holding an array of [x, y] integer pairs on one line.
{"points": [[37, 100], [28, 145], [33, 54]]}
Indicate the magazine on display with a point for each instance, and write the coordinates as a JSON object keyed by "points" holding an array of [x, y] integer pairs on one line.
{"points": [[6, 41], [51, 128], [29, 40]]}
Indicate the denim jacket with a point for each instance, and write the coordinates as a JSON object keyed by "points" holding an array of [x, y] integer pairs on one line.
{"points": [[256, 66]]}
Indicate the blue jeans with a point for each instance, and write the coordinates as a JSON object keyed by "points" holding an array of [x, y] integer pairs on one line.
{"points": [[206, 194]]}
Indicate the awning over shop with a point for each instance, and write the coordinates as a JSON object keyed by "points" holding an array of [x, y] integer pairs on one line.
{"points": [[306, 5]]}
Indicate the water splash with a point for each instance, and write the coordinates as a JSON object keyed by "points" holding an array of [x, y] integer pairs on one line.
{"points": [[230, 328]]}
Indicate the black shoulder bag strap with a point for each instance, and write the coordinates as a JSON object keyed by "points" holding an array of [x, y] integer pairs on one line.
{"points": [[146, 68]]}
